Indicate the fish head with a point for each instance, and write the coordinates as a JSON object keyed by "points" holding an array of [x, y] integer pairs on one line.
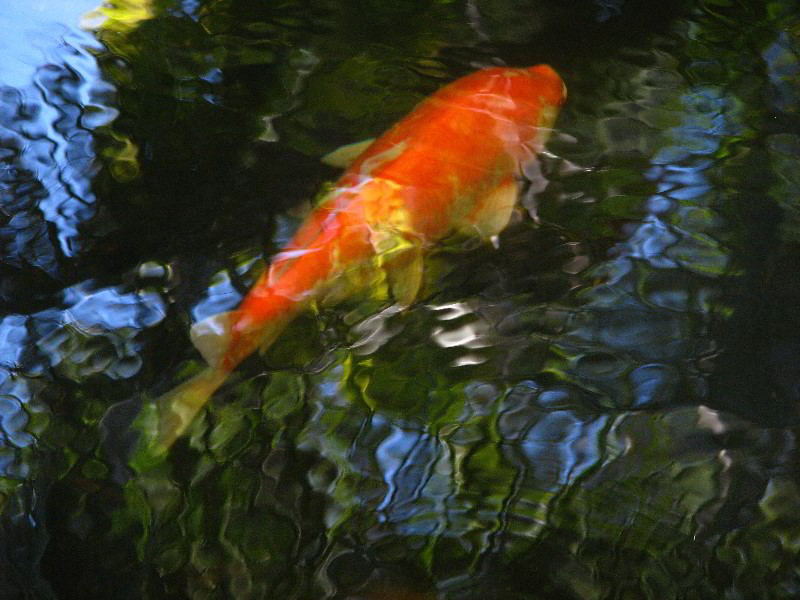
{"points": [[536, 94], [548, 84], [540, 93], [506, 92], [522, 105]]}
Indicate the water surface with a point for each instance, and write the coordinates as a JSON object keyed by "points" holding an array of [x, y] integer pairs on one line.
{"points": [[607, 406]]}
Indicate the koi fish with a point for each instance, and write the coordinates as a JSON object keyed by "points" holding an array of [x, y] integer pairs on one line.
{"points": [[452, 166]]}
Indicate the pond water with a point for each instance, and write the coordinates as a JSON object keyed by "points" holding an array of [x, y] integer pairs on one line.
{"points": [[605, 406]]}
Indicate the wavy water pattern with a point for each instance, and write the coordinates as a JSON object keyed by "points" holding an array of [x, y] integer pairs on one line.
{"points": [[48, 116], [604, 404]]}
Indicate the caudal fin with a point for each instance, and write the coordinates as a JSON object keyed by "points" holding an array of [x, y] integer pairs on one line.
{"points": [[177, 408]]}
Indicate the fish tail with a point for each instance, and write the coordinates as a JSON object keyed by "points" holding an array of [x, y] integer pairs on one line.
{"points": [[226, 339], [176, 409]]}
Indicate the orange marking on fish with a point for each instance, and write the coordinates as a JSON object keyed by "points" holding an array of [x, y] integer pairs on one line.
{"points": [[450, 166]]}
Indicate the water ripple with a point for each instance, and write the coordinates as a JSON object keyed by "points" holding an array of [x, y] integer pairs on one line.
{"points": [[604, 406]]}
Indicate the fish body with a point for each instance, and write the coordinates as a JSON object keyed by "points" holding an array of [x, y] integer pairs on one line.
{"points": [[451, 166]]}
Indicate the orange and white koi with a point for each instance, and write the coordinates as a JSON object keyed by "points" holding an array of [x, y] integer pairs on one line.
{"points": [[453, 165]]}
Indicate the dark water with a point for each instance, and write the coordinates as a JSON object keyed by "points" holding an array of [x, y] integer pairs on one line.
{"points": [[606, 407]]}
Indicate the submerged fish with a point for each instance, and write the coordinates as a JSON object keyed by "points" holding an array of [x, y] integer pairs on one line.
{"points": [[451, 166]]}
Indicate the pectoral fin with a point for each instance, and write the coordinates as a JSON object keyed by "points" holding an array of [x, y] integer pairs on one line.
{"points": [[342, 157], [405, 275], [495, 208], [401, 260]]}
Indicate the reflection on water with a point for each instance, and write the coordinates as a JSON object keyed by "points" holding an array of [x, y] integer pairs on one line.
{"points": [[54, 99], [607, 405]]}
